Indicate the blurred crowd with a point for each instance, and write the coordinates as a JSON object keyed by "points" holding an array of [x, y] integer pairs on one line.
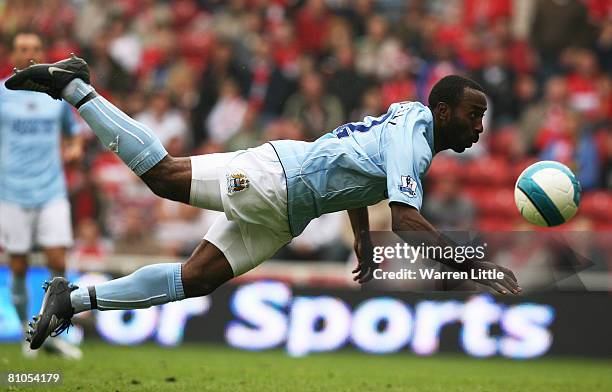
{"points": [[211, 76]]}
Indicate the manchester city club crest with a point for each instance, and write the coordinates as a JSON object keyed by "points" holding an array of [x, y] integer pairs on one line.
{"points": [[236, 182]]}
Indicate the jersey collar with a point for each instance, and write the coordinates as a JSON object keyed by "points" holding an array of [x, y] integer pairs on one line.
{"points": [[429, 133]]}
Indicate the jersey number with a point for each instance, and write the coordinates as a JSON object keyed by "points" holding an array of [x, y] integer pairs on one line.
{"points": [[361, 126]]}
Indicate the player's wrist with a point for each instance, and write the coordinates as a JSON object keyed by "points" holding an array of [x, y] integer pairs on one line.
{"points": [[466, 265]]}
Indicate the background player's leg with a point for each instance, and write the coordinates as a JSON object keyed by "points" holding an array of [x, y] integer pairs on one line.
{"points": [[158, 284], [19, 295], [19, 292], [56, 260], [16, 226], [53, 230]]}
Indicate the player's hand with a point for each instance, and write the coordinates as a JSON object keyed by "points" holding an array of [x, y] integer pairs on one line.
{"points": [[365, 264], [508, 284], [72, 153]]}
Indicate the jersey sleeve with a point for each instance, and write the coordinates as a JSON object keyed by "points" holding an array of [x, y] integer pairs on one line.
{"points": [[401, 157], [70, 124]]}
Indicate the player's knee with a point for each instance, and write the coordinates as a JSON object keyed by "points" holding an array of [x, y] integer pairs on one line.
{"points": [[205, 270], [197, 283], [165, 179], [200, 289], [159, 186], [200, 279], [158, 179], [19, 265], [56, 261]]}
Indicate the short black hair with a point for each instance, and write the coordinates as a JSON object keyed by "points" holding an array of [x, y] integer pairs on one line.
{"points": [[450, 89], [26, 31]]}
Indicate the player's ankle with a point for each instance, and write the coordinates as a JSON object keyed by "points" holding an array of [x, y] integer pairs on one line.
{"points": [[76, 91], [80, 300]]}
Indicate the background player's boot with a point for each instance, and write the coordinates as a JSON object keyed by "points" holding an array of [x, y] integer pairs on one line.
{"points": [[55, 312], [62, 348], [49, 78], [27, 351]]}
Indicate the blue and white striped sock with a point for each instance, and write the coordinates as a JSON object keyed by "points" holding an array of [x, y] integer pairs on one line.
{"points": [[133, 142], [155, 284]]}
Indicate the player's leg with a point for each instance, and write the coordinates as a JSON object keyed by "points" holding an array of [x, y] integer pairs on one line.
{"points": [[207, 269], [170, 178], [223, 254], [56, 260], [54, 234], [136, 144], [133, 142], [156, 284], [19, 293], [16, 227], [53, 228]]}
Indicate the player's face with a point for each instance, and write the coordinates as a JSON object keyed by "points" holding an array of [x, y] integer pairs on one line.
{"points": [[465, 124], [26, 47]]}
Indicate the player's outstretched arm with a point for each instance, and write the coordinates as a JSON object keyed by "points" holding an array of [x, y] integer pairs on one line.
{"points": [[408, 219], [362, 245]]}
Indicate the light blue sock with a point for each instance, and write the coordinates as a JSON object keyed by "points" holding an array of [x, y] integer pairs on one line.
{"points": [[19, 295], [155, 284], [134, 142]]}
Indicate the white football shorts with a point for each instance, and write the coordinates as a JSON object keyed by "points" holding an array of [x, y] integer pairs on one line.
{"points": [[48, 226], [250, 187]]}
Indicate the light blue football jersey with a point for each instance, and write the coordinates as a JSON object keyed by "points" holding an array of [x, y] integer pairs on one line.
{"points": [[359, 164], [31, 171]]}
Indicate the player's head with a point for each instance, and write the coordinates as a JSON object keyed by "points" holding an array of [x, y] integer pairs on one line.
{"points": [[26, 46], [458, 105]]}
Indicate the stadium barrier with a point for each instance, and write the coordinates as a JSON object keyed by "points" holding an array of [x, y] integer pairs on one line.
{"points": [[269, 314]]}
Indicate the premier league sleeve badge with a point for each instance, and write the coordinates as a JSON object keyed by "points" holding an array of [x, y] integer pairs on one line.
{"points": [[408, 186]]}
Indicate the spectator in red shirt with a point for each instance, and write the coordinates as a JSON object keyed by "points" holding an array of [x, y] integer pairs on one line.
{"points": [[312, 25], [544, 122], [582, 84], [485, 12]]}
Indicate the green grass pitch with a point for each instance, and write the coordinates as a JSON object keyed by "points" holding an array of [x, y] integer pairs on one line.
{"points": [[215, 368]]}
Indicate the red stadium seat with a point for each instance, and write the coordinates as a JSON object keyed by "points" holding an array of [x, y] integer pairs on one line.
{"points": [[518, 167], [496, 224], [444, 166], [597, 205], [488, 171], [497, 203], [475, 192], [604, 226], [502, 142]]}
